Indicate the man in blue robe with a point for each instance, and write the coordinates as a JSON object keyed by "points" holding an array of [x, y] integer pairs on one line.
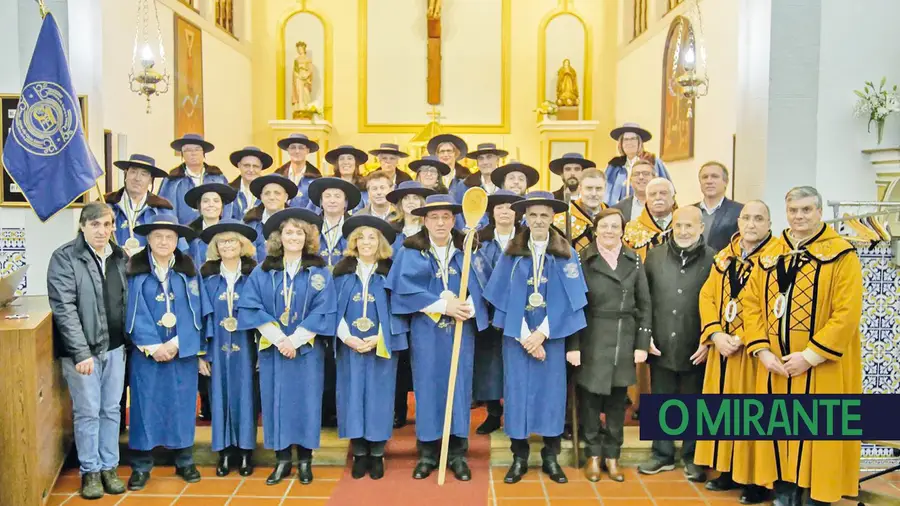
{"points": [[298, 169], [487, 156], [250, 161], [135, 203], [164, 321], [274, 191], [193, 172], [538, 293], [424, 284]]}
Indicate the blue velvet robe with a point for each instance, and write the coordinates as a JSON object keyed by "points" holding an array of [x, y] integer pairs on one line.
{"points": [[414, 285], [617, 179], [197, 251], [488, 372], [231, 356], [534, 391], [174, 188], [253, 218], [366, 383], [240, 206], [291, 389], [164, 394], [335, 254], [120, 219]]}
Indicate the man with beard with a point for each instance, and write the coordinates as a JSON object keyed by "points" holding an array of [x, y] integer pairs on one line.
{"points": [[592, 192], [676, 271], [193, 172], [389, 156], [569, 167], [250, 161], [298, 169]]}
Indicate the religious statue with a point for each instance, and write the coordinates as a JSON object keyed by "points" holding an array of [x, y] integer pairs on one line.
{"points": [[566, 85], [301, 97]]}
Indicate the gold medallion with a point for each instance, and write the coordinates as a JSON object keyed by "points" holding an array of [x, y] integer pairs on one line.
{"points": [[536, 300], [230, 324], [363, 324], [132, 243], [285, 318], [780, 305], [731, 311], [447, 295], [168, 320]]}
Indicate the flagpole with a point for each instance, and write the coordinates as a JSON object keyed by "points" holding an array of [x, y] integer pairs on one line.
{"points": [[43, 8]]}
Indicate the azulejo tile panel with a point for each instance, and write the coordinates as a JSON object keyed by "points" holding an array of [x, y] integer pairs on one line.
{"points": [[12, 254]]}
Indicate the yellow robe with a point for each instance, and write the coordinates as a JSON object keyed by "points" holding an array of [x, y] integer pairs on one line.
{"points": [[643, 234], [822, 317], [728, 375], [581, 225]]}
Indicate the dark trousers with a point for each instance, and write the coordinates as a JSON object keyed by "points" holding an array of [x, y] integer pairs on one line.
{"points": [[494, 408], [665, 381], [360, 447], [142, 461], [521, 449], [203, 391], [430, 451], [599, 440], [284, 455], [404, 385], [123, 404]]}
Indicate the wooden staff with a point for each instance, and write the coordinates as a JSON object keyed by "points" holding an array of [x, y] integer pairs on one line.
{"points": [[572, 389], [474, 205]]}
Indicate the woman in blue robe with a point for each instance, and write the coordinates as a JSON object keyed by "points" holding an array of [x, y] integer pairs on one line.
{"points": [[538, 293], [274, 191], [487, 380], [290, 300], [369, 337], [230, 362], [164, 323], [345, 162], [424, 284], [630, 138]]}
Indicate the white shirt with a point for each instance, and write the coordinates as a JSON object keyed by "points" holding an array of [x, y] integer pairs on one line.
{"points": [[265, 216], [488, 185], [273, 332], [332, 233], [637, 207], [196, 178], [664, 221], [411, 230], [230, 277], [714, 208], [107, 251], [296, 177], [444, 254], [503, 240], [245, 189], [539, 248], [382, 216]]}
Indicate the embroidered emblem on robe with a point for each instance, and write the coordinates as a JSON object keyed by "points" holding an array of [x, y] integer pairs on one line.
{"points": [[317, 281]]}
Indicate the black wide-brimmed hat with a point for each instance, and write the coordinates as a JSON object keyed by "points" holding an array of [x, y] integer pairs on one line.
{"points": [[264, 158], [193, 196], [556, 166], [437, 140], [195, 139], [487, 148], [540, 198], [408, 188], [140, 161], [633, 128], [257, 185], [438, 202], [298, 139], [430, 161], [360, 155], [274, 222], [375, 222], [503, 197], [318, 187], [387, 148], [165, 221], [228, 225], [499, 174]]}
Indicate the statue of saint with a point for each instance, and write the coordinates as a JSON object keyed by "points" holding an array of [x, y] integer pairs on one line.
{"points": [[301, 97], [566, 85]]}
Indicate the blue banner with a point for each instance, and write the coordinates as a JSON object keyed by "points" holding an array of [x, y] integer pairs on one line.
{"points": [[770, 417], [46, 152]]}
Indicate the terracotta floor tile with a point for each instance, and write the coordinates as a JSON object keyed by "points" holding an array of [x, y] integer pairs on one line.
{"points": [[578, 489], [332, 472], [523, 489], [56, 500], [611, 489], [615, 501], [139, 500], [676, 474], [521, 502], [575, 502], [162, 486], [260, 489], [671, 490], [316, 489], [573, 474], [201, 501], [107, 500], [709, 494], [725, 502], [680, 502], [253, 501], [67, 485], [213, 486], [498, 473], [881, 487], [294, 501]]}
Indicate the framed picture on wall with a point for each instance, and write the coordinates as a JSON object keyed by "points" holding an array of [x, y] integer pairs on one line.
{"points": [[677, 130], [188, 78], [10, 195]]}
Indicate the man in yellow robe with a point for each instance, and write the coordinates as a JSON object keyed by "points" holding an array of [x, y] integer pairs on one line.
{"points": [[728, 369], [591, 191], [802, 313], [654, 224]]}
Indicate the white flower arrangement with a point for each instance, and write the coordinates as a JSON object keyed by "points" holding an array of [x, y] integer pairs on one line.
{"points": [[876, 104], [547, 108]]}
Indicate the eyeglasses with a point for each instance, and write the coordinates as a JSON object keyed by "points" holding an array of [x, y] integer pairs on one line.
{"points": [[228, 242]]}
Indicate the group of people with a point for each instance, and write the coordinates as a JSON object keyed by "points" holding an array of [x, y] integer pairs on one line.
{"points": [[296, 294]]}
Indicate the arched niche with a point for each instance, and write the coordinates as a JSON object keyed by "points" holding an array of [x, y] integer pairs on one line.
{"points": [[564, 34], [315, 32]]}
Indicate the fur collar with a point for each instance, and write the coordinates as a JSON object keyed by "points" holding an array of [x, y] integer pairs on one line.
{"points": [[473, 180], [619, 161], [462, 171], [140, 264], [211, 170], [277, 263], [214, 267], [153, 200], [556, 246], [347, 265], [236, 183], [254, 214], [488, 233], [311, 170], [421, 242], [197, 225]]}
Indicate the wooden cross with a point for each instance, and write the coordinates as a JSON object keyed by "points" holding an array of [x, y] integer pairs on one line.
{"points": [[433, 16]]}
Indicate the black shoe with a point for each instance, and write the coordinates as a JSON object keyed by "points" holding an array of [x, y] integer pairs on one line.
{"points": [[754, 494], [189, 473], [138, 480], [222, 468], [423, 470], [461, 470], [360, 465], [246, 468], [91, 486], [376, 467], [552, 469], [723, 483], [304, 472], [399, 422], [516, 471], [694, 473], [490, 424], [567, 432], [282, 470], [655, 466]]}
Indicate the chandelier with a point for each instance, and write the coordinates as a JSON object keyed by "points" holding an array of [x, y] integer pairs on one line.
{"points": [[147, 81], [689, 78]]}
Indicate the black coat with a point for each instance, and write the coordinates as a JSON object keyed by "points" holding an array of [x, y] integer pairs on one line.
{"points": [[724, 225], [618, 321], [675, 277]]}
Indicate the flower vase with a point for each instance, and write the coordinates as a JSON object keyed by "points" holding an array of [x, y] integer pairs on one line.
{"points": [[879, 124]]}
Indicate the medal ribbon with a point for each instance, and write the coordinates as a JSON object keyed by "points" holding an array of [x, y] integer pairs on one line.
{"points": [[229, 292], [737, 278], [332, 236], [443, 268], [365, 277], [787, 272], [131, 214], [164, 281], [287, 290], [537, 266]]}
